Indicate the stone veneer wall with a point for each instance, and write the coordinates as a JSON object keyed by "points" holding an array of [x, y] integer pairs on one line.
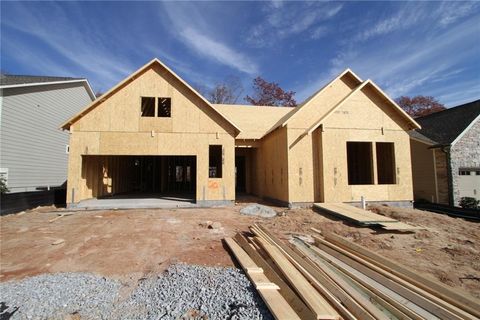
{"points": [[465, 154]]}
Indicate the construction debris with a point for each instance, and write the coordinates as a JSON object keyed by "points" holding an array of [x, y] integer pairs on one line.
{"points": [[259, 211], [335, 279]]}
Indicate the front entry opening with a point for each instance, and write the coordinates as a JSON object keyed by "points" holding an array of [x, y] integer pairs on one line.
{"points": [[140, 176], [240, 174]]}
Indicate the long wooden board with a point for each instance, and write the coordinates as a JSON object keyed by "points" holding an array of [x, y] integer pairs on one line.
{"points": [[321, 282], [306, 291], [460, 300], [382, 293], [275, 302], [290, 296], [422, 298]]}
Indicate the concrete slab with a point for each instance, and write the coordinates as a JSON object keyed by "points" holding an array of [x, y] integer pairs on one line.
{"points": [[137, 202]]}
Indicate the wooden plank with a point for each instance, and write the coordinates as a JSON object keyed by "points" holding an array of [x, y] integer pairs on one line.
{"points": [[277, 305], [290, 296], [246, 262], [344, 293], [352, 213], [382, 294], [457, 299], [423, 299], [275, 302], [322, 283], [305, 290]]}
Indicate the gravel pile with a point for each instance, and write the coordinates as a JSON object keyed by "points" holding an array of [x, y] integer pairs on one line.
{"points": [[195, 292], [182, 292], [259, 211], [55, 296]]}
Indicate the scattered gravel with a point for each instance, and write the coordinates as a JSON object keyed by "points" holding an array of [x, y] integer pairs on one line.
{"points": [[55, 296], [259, 211], [182, 292], [194, 292]]}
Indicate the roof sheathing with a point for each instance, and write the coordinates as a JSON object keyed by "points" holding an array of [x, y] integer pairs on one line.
{"points": [[253, 121]]}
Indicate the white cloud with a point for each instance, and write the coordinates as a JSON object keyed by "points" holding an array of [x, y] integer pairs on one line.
{"points": [[449, 12], [416, 63], [85, 52], [218, 51], [292, 19], [190, 24]]}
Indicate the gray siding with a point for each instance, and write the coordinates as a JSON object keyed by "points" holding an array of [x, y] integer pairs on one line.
{"points": [[32, 147]]}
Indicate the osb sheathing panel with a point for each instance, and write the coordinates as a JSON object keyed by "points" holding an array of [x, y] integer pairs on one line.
{"points": [[272, 166], [359, 119], [323, 102], [115, 127], [367, 110], [423, 171], [121, 111]]}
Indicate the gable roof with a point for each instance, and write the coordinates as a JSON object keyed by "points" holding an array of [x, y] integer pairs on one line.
{"points": [[413, 123], [131, 77], [313, 96], [446, 126], [253, 121], [8, 81]]}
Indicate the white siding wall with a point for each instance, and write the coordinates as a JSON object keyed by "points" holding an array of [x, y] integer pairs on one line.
{"points": [[32, 147]]}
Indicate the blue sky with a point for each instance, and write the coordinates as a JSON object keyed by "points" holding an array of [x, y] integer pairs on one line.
{"points": [[408, 48]]}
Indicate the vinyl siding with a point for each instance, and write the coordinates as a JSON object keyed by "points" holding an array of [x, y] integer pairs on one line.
{"points": [[33, 148]]}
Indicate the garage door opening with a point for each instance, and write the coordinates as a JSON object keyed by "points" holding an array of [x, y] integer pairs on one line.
{"points": [[141, 177]]}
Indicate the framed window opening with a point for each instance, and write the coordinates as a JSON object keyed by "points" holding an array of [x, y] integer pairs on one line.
{"points": [[215, 161], [148, 107], [360, 163], [386, 163]]}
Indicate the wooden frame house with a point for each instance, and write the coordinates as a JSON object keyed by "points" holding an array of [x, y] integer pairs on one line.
{"points": [[153, 133]]}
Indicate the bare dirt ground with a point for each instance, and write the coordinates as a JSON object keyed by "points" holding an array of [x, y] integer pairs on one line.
{"points": [[128, 244]]}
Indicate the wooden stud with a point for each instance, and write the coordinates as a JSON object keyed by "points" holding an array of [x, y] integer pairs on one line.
{"points": [[457, 299]]}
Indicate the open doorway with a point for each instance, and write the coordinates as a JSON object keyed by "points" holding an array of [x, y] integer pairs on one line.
{"points": [[140, 176]]}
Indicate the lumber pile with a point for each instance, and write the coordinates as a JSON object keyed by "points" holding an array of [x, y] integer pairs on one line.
{"points": [[336, 279]]}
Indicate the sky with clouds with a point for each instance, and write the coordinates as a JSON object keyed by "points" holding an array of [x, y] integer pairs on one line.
{"points": [[407, 48]]}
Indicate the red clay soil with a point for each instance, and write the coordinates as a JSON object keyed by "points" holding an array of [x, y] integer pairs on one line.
{"points": [[132, 243]]}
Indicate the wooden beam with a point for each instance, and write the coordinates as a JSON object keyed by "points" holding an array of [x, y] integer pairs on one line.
{"points": [[290, 296], [305, 290], [358, 306], [423, 299], [399, 309], [459, 300], [335, 294], [275, 302]]}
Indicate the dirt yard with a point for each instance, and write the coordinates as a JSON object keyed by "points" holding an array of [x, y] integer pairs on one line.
{"points": [[128, 244]]}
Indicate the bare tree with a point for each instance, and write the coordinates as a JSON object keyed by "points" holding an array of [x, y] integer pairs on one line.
{"points": [[226, 92], [270, 94]]}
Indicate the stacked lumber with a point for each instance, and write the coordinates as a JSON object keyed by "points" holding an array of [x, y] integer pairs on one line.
{"points": [[336, 279], [364, 217]]}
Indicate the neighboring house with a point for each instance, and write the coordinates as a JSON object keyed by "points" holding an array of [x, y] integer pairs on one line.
{"points": [[153, 133], [33, 151], [446, 155]]}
